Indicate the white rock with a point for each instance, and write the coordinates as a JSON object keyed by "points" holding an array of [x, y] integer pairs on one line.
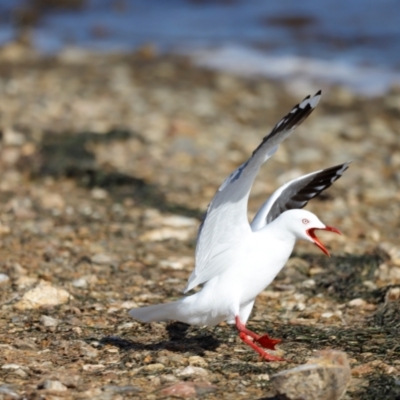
{"points": [[80, 283], [177, 263], [53, 385], [93, 367], [191, 371], [178, 221], [4, 279], [102, 259], [166, 233], [43, 295], [99, 194], [45, 320], [10, 366], [308, 283], [357, 303], [13, 138], [262, 377]]}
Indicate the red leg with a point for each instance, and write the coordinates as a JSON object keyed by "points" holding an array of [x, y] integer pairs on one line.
{"points": [[259, 350], [265, 341], [241, 327]]}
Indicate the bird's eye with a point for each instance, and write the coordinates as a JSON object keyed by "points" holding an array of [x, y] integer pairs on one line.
{"points": [[305, 221]]}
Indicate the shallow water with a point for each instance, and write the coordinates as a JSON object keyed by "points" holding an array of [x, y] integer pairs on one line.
{"points": [[355, 43]]}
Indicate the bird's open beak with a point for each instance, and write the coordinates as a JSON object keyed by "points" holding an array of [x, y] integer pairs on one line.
{"points": [[311, 233]]}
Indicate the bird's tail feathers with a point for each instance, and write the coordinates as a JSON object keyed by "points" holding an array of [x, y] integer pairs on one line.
{"points": [[158, 312]]}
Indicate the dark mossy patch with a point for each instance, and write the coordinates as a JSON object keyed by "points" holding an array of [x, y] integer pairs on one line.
{"points": [[70, 155], [383, 387], [343, 276]]}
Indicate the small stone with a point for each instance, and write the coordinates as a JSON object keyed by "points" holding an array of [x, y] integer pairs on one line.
{"points": [[198, 361], [180, 389], [10, 366], [93, 367], [51, 201], [99, 194], [25, 281], [43, 295], [45, 320], [324, 377], [185, 390], [80, 283], [21, 373], [102, 259], [156, 367], [308, 283], [4, 229], [13, 138], [357, 303], [87, 350], [56, 386], [191, 371], [178, 221], [4, 279], [156, 235], [177, 263], [262, 377], [8, 390]]}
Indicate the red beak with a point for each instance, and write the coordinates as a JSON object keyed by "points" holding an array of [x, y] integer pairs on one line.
{"points": [[311, 233]]}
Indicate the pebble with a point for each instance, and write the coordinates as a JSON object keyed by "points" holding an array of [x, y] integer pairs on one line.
{"points": [[99, 194], [324, 377], [357, 303], [178, 221], [157, 235], [190, 370], [198, 361], [43, 295], [51, 201], [53, 385], [9, 392], [187, 389], [45, 320], [177, 263], [16, 369], [4, 279], [93, 367], [87, 351], [102, 259], [4, 229], [156, 367], [80, 283]]}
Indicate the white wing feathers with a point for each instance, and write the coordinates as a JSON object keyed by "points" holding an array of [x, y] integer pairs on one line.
{"points": [[226, 221], [296, 194]]}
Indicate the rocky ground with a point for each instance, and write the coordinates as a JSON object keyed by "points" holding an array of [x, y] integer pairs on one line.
{"points": [[107, 164]]}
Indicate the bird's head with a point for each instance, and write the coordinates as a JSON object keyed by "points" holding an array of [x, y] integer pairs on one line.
{"points": [[303, 225]]}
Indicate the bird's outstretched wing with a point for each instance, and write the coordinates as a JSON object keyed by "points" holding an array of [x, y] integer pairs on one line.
{"points": [[296, 194], [225, 222]]}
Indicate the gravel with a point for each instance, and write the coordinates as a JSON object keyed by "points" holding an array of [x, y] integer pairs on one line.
{"points": [[108, 163]]}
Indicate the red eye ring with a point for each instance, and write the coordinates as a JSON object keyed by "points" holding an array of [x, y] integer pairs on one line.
{"points": [[305, 221]]}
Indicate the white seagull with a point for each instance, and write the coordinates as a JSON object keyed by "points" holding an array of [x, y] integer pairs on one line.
{"points": [[236, 260]]}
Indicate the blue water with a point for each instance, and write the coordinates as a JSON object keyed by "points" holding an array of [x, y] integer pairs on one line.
{"points": [[358, 40]]}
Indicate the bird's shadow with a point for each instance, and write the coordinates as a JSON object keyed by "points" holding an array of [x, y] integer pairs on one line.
{"points": [[182, 339]]}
